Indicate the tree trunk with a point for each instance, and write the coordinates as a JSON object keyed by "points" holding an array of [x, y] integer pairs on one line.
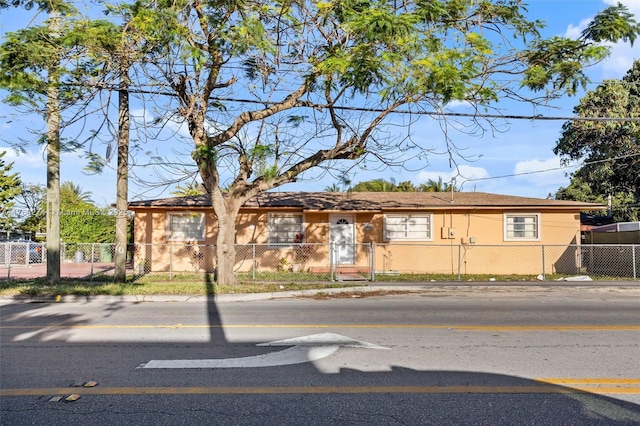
{"points": [[226, 213], [53, 167], [122, 179]]}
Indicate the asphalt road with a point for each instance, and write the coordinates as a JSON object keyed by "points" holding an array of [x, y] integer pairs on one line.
{"points": [[476, 356]]}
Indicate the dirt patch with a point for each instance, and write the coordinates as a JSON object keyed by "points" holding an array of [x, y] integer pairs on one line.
{"points": [[355, 294]]}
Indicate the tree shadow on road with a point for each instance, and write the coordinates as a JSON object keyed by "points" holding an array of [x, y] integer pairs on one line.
{"points": [[40, 351]]}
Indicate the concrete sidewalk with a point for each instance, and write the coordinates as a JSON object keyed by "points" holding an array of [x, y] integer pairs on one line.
{"points": [[371, 289], [543, 283]]}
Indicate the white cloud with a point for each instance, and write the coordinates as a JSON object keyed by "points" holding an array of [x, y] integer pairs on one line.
{"points": [[471, 172], [536, 165], [531, 178], [574, 31], [632, 5], [620, 61], [547, 172], [166, 129], [458, 104], [30, 159], [622, 54], [141, 115], [179, 127]]}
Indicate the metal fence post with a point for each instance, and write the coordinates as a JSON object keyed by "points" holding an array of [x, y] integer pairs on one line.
{"points": [[8, 261], [459, 262], [170, 261], [544, 269], [331, 255], [633, 255], [93, 249], [372, 262], [253, 261]]}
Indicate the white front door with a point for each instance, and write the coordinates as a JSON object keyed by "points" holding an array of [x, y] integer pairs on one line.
{"points": [[342, 235]]}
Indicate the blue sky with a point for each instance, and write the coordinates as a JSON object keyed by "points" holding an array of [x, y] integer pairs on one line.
{"points": [[516, 161]]}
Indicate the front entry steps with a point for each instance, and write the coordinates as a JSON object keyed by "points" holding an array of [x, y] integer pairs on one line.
{"points": [[350, 274], [354, 276], [342, 273]]}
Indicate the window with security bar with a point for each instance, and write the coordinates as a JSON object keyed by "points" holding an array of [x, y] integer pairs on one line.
{"points": [[522, 227], [185, 226], [408, 227], [285, 228]]}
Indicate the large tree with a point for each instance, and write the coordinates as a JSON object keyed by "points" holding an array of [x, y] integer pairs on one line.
{"points": [[60, 65], [119, 49], [318, 82], [622, 205], [607, 142], [32, 70], [270, 90]]}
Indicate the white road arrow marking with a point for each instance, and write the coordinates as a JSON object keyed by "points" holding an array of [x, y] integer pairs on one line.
{"points": [[303, 349], [323, 339]]}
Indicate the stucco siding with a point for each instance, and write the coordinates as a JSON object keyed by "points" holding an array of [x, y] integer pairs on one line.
{"points": [[470, 239]]}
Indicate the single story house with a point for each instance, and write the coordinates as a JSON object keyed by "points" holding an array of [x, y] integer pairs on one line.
{"points": [[411, 231]]}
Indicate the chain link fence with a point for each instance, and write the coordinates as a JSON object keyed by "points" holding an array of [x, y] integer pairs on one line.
{"points": [[21, 253], [325, 262], [253, 262]]}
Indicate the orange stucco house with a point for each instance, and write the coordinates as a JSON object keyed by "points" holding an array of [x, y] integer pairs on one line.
{"points": [[413, 232]]}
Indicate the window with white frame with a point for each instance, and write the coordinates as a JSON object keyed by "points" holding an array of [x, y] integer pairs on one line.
{"points": [[407, 227], [521, 226], [284, 227], [185, 226]]}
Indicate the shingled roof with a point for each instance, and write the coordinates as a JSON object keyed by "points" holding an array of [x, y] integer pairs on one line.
{"points": [[375, 201]]}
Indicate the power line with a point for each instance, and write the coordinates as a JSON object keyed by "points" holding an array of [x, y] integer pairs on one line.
{"points": [[264, 103], [586, 163], [457, 114], [409, 112]]}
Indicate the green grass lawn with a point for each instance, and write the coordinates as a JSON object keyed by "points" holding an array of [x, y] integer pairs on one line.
{"points": [[164, 284], [39, 287]]}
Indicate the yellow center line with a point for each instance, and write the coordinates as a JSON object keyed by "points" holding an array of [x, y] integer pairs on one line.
{"points": [[589, 381], [459, 327], [531, 389]]}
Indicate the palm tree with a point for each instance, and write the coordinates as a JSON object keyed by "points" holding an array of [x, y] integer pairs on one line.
{"points": [[186, 191], [406, 186], [376, 185], [436, 186], [73, 194], [333, 188]]}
